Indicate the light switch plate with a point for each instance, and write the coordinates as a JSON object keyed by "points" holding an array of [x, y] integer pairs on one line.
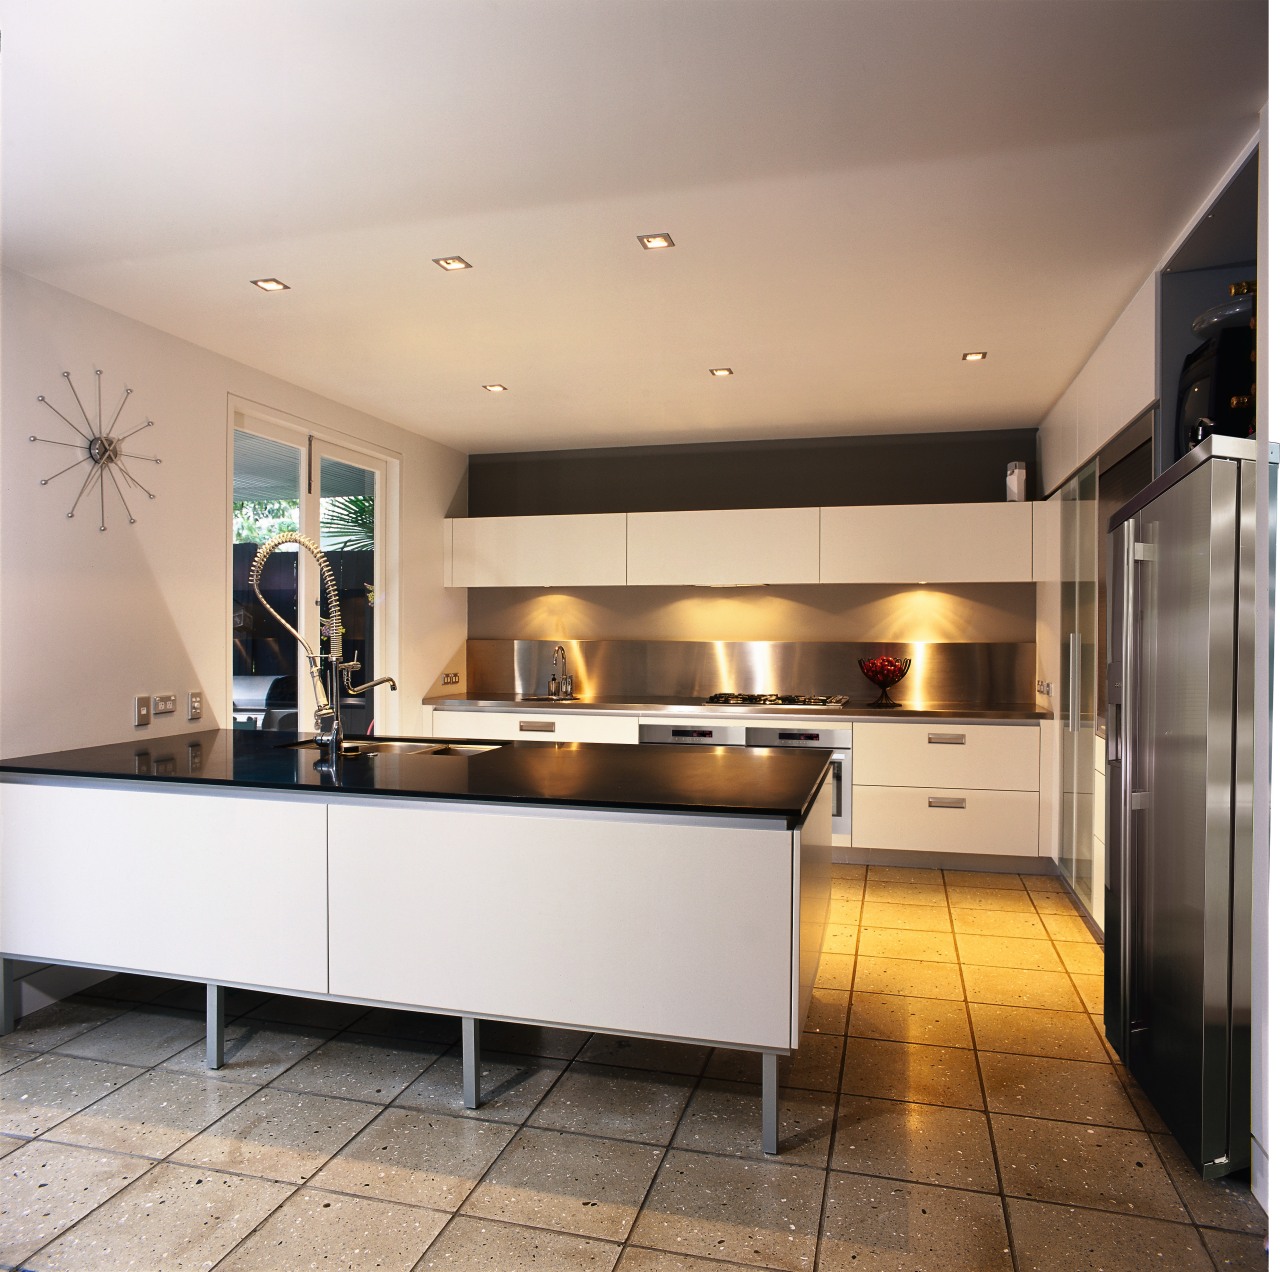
{"points": [[195, 705], [142, 710]]}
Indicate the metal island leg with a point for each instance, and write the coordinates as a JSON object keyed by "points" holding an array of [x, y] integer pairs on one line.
{"points": [[470, 1063], [215, 1018], [769, 1102], [8, 997]]}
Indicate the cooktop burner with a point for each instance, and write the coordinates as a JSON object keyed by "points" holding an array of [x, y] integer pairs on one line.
{"points": [[775, 700]]}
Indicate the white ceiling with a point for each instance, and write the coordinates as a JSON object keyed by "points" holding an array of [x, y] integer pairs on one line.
{"points": [[859, 190]]}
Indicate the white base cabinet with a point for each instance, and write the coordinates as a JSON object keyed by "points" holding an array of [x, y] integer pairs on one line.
{"points": [[534, 726], [197, 886], [999, 823]]}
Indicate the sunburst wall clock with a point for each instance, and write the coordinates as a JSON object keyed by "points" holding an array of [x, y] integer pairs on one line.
{"points": [[102, 450]]}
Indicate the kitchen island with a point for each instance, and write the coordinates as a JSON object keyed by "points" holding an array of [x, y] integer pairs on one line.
{"points": [[630, 890]]}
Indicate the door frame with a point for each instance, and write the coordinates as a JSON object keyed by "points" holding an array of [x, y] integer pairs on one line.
{"points": [[313, 440]]}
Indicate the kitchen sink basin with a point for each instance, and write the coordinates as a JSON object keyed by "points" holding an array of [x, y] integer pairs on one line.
{"points": [[545, 697], [357, 748]]}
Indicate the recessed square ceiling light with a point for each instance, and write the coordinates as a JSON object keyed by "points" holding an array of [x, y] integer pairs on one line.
{"points": [[975, 356], [721, 371], [495, 388], [450, 262], [651, 242], [270, 284]]}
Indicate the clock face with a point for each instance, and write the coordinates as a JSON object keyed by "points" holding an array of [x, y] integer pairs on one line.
{"points": [[103, 462]]}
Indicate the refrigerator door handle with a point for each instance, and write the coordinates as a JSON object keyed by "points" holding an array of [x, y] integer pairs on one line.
{"points": [[1074, 643]]}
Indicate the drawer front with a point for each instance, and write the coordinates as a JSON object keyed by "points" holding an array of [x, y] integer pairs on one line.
{"points": [[946, 820], [976, 756], [535, 726]]}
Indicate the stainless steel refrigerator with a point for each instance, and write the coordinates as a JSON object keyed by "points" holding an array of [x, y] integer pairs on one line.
{"points": [[1180, 752]]}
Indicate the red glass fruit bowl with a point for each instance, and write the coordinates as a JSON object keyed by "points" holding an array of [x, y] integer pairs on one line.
{"points": [[884, 671]]}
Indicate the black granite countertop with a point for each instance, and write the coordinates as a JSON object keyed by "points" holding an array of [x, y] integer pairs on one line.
{"points": [[1008, 712], [723, 781]]}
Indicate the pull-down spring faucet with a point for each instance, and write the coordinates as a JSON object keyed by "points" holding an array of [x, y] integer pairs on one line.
{"points": [[325, 668]]}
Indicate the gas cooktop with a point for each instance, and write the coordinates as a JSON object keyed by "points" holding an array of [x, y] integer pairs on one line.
{"points": [[775, 700]]}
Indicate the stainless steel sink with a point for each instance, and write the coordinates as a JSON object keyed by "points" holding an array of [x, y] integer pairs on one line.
{"points": [[545, 697], [354, 749]]}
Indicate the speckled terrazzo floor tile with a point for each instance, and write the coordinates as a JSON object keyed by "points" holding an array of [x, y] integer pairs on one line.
{"points": [[906, 918], [60, 1022], [144, 1036], [1003, 900], [906, 874], [174, 1218], [1008, 951], [1066, 1239], [10, 1143], [998, 923], [644, 1053], [724, 1117], [319, 1229], [1218, 1203], [572, 1183], [132, 987], [48, 1187], [882, 1225], [636, 1259], [152, 1115], [1090, 990], [911, 1071], [815, 1065], [1063, 1090], [1021, 987], [308, 1013], [278, 1135], [841, 936], [983, 879], [757, 1213], [828, 1010], [1067, 1035], [912, 977], [50, 1088], [930, 947], [192, 996], [1066, 927], [1093, 1166], [892, 892], [925, 1143], [12, 1057], [509, 1086], [487, 1245], [1054, 903], [1043, 883], [422, 1159], [1147, 1112], [358, 1067], [835, 971], [254, 1052], [630, 1104], [1235, 1251], [1081, 957], [901, 1018], [532, 1040]]}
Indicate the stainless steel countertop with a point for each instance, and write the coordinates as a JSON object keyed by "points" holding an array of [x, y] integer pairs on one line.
{"points": [[1007, 712]]}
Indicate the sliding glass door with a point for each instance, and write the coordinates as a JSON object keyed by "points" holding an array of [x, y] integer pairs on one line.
{"points": [[334, 496]]}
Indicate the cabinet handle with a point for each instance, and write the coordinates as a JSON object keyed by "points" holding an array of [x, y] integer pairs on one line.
{"points": [[946, 739], [537, 726], [947, 801]]}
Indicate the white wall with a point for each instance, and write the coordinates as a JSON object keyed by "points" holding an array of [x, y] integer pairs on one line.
{"points": [[88, 619]]}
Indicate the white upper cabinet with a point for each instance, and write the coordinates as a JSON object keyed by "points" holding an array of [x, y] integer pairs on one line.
{"points": [[735, 547], [588, 550], [927, 543]]}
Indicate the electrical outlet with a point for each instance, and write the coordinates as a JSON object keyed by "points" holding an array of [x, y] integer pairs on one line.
{"points": [[195, 705], [164, 704], [142, 711], [450, 678], [1045, 688]]}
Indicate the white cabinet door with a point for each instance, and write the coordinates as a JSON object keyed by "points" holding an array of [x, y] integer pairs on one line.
{"points": [[1002, 757], [1002, 823], [638, 925], [535, 726], [206, 887], [927, 543], [565, 551], [739, 547]]}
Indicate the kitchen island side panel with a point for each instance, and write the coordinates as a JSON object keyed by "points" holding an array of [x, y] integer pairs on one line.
{"points": [[676, 927], [205, 887]]}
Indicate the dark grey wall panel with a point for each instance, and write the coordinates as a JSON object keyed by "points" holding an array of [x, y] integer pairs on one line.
{"points": [[831, 471]]}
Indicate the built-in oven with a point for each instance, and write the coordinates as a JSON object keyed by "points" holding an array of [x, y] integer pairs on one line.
{"points": [[835, 739]]}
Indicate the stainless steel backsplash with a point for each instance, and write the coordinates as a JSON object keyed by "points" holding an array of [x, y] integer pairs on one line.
{"points": [[974, 675]]}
